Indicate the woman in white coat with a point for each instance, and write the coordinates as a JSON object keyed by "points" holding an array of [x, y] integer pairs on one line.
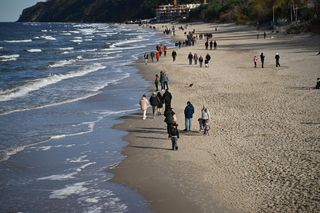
{"points": [[144, 104]]}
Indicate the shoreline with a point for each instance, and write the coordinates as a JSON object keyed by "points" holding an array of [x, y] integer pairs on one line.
{"points": [[240, 166]]}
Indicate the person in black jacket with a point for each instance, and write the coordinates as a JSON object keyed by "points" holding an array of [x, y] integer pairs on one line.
{"points": [[154, 103], [169, 119], [174, 136], [277, 57], [190, 57], [207, 60], [167, 97], [262, 59], [174, 55]]}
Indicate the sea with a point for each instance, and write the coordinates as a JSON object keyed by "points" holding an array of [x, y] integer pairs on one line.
{"points": [[63, 86]]}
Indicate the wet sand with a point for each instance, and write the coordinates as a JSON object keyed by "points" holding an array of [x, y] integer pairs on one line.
{"points": [[262, 154]]}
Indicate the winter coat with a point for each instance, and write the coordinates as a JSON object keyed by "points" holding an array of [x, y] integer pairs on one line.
{"points": [[167, 97], [188, 111], [153, 100], [144, 103]]}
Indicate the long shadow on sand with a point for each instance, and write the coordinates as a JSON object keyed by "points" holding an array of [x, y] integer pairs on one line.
{"points": [[148, 147], [155, 138]]}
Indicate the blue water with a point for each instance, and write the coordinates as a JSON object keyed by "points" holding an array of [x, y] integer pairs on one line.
{"points": [[62, 88]]}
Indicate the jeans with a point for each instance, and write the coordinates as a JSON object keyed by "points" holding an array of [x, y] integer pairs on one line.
{"points": [[188, 124]]}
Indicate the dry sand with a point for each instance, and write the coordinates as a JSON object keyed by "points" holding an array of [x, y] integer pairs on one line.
{"points": [[262, 154]]}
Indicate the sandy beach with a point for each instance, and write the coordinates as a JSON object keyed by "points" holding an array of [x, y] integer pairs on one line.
{"points": [[262, 152]]}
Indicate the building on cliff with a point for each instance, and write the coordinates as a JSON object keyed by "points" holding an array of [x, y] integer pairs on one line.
{"points": [[169, 12]]}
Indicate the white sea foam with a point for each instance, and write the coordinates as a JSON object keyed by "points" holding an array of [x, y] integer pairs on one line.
{"points": [[74, 32], [88, 50], [59, 177], [34, 50], [50, 38], [66, 34], [18, 41], [120, 43], [62, 63], [66, 48], [21, 91], [72, 189], [76, 40], [127, 48], [51, 105], [44, 31], [9, 57], [65, 52], [88, 39], [85, 166], [80, 159]]}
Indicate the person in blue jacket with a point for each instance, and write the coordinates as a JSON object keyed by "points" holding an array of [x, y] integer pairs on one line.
{"points": [[188, 114]]}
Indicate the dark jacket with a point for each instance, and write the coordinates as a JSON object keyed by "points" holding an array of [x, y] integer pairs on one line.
{"points": [[167, 98], [174, 131], [153, 100], [188, 111]]}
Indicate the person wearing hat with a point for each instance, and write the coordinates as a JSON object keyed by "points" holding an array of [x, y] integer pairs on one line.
{"points": [[277, 57], [188, 114], [154, 103]]}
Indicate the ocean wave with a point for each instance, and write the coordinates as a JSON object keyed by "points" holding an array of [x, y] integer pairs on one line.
{"points": [[34, 50], [80, 159], [21, 91], [66, 48], [18, 41], [127, 48], [76, 41], [120, 43], [62, 63], [9, 57], [50, 38], [59, 177], [72, 189], [49, 105]]}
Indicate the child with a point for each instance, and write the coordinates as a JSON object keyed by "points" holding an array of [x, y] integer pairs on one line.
{"points": [[206, 128], [174, 136], [255, 60]]}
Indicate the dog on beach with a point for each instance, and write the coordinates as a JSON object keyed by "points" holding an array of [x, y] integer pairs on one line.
{"points": [[206, 128]]}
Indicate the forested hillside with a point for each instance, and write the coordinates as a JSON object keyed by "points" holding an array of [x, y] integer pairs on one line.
{"points": [[240, 11]]}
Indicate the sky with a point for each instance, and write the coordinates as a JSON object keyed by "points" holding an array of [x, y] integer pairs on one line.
{"points": [[10, 10]]}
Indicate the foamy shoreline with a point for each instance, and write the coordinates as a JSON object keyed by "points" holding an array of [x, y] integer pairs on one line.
{"points": [[261, 154]]}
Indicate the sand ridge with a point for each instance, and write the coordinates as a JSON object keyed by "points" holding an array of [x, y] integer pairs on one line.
{"points": [[262, 154]]}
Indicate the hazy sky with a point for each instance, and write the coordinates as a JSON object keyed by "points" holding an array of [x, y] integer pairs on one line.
{"points": [[10, 10]]}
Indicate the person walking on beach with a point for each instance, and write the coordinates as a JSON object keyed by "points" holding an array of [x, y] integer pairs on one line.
{"points": [[167, 97], [154, 103], [165, 50], [277, 57], [152, 56], [190, 57], [262, 59], [174, 55], [160, 103], [206, 44], [318, 84], [200, 60], [161, 80], [211, 44], [169, 119], [144, 103], [174, 132], [205, 117], [146, 57], [156, 82], [255, 60], [195, 58], [157, 55], [264, 35], [188, 114], [207, 60], [215, 45], [165, 81]]}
